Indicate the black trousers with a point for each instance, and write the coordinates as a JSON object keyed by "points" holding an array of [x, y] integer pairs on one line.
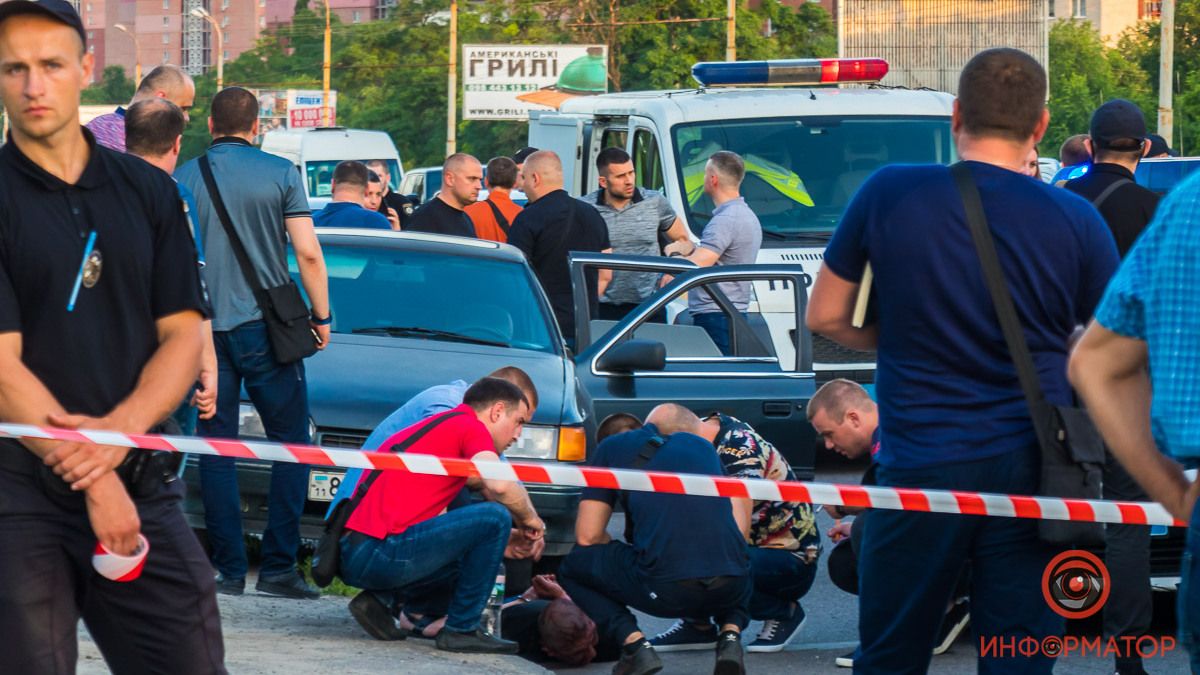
{"points": [[1129, 609], [166, 621]]}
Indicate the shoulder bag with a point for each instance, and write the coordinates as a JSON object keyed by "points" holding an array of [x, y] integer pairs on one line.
{"points": [[327, 558], [500, 219], [283, 308], [1072, 451]]}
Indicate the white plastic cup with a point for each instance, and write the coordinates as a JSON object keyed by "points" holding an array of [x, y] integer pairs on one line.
{"points": [[121, 568]]}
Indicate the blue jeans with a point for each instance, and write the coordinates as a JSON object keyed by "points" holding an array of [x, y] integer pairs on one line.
{"points": [[780, 578], [1188, 608], [910, 563], [605, 580], [280, 395], [414, 564], [716, 324]]}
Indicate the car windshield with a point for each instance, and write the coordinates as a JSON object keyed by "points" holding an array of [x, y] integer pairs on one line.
{"points": [[319, 175], [801, 172], [393, 292]]}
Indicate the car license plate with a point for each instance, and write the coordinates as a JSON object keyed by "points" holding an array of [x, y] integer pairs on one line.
{"points": [[323, 485]]}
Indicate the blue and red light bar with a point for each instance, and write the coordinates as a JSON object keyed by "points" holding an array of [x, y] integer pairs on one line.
{"points": [[807, 72]]}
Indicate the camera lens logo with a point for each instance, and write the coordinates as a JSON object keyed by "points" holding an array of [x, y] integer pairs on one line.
{"points": [[1076, 584]]}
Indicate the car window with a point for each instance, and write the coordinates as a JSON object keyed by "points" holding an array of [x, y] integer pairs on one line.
{"points": [[319, 175], [647, 163], [376, 288]]}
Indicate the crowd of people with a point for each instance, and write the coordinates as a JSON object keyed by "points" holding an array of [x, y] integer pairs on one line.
{"points": [[138, 296]]}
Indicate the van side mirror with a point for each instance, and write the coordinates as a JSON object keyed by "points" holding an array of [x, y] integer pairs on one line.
{"points": [[633, 355]]}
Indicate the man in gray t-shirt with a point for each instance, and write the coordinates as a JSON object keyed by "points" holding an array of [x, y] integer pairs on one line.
{"points": [[732, 237], [265, 200], [638, 222]]}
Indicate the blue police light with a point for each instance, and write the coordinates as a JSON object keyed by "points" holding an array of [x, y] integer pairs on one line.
{"points": [[788, 71]]}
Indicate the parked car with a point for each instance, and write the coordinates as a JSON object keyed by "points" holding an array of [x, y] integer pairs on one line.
{"points": [[414, 310], [1164, 173]]}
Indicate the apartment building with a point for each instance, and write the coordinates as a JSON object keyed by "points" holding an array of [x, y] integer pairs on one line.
{"points": [[1110, 17]]}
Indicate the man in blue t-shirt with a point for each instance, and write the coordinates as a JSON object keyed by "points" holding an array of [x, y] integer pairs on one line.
{"points": [[349, 192], [687, 556], [951, 409]]}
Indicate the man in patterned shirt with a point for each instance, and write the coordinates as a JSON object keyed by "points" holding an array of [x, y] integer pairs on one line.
{"points": [[784, 543]]}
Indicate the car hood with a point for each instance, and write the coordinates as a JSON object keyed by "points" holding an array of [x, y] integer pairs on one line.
{"points": [[360, 379]]}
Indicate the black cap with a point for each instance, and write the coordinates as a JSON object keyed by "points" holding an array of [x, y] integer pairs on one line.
{"points": [[59, 10], [523, 154], [1117, 120], [1159, 147]]}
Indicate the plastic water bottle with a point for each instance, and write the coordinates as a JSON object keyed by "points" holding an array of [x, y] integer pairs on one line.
{"points": [[490, 621]]}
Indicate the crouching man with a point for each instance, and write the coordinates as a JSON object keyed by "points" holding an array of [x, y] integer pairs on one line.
{"points": [[400, 541], [686, 555]]}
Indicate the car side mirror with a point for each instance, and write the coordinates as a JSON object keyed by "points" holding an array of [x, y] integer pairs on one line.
{"points": [[633, 355]]}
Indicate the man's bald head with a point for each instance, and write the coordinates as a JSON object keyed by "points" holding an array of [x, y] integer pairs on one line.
{"points": [[541, 174], [672, 418], [169, 82], [462, 177]]}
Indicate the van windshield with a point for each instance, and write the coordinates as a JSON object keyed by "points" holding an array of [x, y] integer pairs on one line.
{"points": [[801, 172], [319, 175]]}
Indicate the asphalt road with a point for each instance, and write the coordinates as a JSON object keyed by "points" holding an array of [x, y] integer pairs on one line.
{"points": [[831, 631]]}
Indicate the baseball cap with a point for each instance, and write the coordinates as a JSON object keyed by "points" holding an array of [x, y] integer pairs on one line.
{"points": [[523, 154], [59, 10], [1159, 147], [1117, 120]]}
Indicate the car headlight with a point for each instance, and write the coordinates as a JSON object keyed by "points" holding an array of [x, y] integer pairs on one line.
{"points": [[568, 444]]}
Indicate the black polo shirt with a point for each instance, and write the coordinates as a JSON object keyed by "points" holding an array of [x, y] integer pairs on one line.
{"points": [[404, 208], [546, 232], [90, 358], [1127, 210], [438, 217]]}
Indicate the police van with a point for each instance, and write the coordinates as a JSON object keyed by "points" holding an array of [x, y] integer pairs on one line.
{"points": [[808, 139], [316, 152]]}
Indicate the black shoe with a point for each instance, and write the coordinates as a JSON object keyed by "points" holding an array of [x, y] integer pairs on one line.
{"points": [[374, 617], [1131, 665], [953, 623], [290, 585], [643, 661], [729, 654], [475, 642], [227, 586]]}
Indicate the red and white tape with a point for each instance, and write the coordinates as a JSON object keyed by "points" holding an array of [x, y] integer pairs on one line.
{"points": [[932, 501]]}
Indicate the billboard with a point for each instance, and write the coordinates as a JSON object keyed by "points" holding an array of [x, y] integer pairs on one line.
{"points": [[304, 108], [505, 82]]}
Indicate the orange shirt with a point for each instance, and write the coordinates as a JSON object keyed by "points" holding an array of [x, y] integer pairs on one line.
{"points": [[484, 218]]}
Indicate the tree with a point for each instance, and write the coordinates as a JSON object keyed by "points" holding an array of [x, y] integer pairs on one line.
{"points": [[113, 87]]}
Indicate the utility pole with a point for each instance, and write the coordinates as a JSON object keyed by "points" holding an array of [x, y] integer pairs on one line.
{"points": [[731, 31], [1166, 68], [452, 83], [325, 69]]}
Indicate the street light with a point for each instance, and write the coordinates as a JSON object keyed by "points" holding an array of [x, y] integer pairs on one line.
{"points": [[201, 13], [137, 52]]}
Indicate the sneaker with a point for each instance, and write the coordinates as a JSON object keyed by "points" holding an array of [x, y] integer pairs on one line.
{"points": [[775, 635], [641, 662], [374, 617], [685, 636], [845, 661], [956, 619], [227, 586], [729, 654], [475, 642], [290, 585]]}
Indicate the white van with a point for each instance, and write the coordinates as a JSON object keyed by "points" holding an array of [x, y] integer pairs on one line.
{"points": [[807, 150], [315, 153]]}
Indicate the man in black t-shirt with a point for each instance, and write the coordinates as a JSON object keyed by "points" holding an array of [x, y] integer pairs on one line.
{"points": [[462, 177], [552, 225], [100, 313]]}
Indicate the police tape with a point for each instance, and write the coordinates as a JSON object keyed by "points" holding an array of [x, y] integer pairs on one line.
{"points": [[860, 496]]}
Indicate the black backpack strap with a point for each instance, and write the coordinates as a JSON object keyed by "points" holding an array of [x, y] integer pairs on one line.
{"points": [[500, 219], [1108, 192], [647, 453], [365, 485], [239, 250]]}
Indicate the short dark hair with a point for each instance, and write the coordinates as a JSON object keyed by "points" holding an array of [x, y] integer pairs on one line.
{"points": [[379, 165], [617, 423], [234, 111], [611, 156], [1073, 151], [152, 126], [729, 164], [1002, 93], [567, 632], [501, 172], [351, 172], [1110, 154], [521, 379], [491, 390], [373, 177]]}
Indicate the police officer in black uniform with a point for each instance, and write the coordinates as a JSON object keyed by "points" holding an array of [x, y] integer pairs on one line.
{"points": [[100, 312]]}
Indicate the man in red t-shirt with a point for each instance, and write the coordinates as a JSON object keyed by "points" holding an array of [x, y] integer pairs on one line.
{"points": [[401, 538]]}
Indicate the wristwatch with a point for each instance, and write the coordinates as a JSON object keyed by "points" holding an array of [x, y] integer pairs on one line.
{"points": [[312, 318]]}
